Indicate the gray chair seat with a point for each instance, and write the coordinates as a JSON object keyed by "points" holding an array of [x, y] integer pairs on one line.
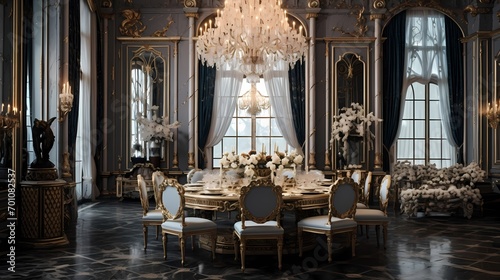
{"points": [[320, 222], [191, 224], [252, 228]]}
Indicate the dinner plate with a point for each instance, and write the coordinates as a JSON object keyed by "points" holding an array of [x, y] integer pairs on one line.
{"points": [[211, 193], [193, 189], [190, 185]]}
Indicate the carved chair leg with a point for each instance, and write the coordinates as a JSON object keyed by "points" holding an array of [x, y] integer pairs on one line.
{"points": [[329, 238], [353, 243], [213, 237], [280, 251], [242, 253], [235, 242], [182, 244], [165, 239], [145, 233], [299, 237]]}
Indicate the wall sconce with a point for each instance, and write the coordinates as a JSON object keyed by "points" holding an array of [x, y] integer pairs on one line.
{"points": [[493, 115], [65, 101], [10, 118]]}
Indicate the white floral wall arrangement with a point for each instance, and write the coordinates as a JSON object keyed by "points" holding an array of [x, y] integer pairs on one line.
{"points": [[425, 188]]}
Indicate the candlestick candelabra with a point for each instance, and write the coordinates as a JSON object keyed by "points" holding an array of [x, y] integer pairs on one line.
{"points": [[10, 118], [493, 115]]}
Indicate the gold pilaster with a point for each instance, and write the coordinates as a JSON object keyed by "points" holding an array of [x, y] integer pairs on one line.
{"points": [[190, 160]]}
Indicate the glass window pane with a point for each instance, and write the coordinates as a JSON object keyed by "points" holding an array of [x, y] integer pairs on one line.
{"points": [[434, 149], [217, 150], [419, 91], [434, 110], [406, 130], [245, 127], [262, 127], [274, 128], [420, 110], [447, 149], [419, 151], [231, 131], [405, 149], [408, 111], [433, 92], [419, 161], [435, 129], [419, 129], [244, 144], [229, 144]]}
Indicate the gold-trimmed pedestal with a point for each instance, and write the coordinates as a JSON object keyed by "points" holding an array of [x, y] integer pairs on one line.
{"points": [[41, 215]]}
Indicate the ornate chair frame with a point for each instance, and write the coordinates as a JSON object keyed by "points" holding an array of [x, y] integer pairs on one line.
{"points": [[149, 217], [258, 221], [340, 216], [175, 222]]}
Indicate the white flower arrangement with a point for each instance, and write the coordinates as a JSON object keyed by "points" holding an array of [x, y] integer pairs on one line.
{"points": [[352, 121], [248, 161], [156, 128], [428, 188], [280, 160]]}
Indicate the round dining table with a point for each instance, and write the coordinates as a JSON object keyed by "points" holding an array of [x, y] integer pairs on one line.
{"points": [[298, 202]]}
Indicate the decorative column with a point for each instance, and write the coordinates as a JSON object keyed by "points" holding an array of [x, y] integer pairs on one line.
{"points": [[175, 158], [328, 163], [65, 167], [312, 14], [377, 16], [191, 12]]}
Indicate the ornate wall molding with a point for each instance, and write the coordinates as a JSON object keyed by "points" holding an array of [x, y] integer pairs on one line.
{"points": [[132, 25], [474, 11]]}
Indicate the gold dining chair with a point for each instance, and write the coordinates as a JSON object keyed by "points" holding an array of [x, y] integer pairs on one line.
{"points": [[365, 192], [260, 209], [149, 217], [377, 217], [343, 197], [175, 221]]}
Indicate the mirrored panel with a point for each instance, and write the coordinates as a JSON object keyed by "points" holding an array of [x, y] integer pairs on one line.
{"points": [[350, 85], [147, 79]]}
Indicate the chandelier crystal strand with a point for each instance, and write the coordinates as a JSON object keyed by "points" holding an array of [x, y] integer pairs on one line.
{"points": [[256, 33]]}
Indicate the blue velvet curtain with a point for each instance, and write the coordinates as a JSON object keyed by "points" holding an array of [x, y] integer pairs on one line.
{"points": [[74, 71], [297, 79], [206, 86], [456, 84], [393, 64]]}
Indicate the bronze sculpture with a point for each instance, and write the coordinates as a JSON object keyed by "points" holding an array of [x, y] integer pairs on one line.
{"points": [[43, 140]]}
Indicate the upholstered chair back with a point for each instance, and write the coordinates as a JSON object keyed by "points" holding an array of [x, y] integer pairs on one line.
{"points": [[143, 194], [356, 177], [385, 186], [195, 175], [343, 199], [260, 202], [366, 189], [172, 200], [157, 178]]}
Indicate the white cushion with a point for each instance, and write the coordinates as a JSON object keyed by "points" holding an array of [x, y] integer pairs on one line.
{"points": [[360, 205], [253, 228], [192, 224], [370, 215], [153, 215], [319, 222]]}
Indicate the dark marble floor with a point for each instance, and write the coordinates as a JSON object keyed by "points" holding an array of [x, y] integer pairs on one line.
{"points": [[107, 243]]}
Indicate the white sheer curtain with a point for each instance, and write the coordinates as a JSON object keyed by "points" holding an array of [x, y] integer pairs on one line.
{"points": [[227, 88], [426, 60], [278, 89], [88, 95]]}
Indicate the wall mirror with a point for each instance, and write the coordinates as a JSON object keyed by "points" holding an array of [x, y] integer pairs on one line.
{"points": [[350, 87], [147, 87]]}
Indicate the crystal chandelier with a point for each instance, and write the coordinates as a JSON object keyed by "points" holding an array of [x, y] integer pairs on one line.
{"points": [[255, 33], [253, 101]]}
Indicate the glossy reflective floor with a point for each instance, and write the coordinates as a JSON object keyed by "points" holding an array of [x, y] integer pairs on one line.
{"points": [[107, 243]]}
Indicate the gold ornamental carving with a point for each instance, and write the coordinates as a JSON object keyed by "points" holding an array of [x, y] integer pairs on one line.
{"points": [[379, 4], [360, 28], [132, 25], [313, 4], [163, 31], [190, 3], [474, 11]]}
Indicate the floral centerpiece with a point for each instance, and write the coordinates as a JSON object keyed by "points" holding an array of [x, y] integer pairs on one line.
{"points": [[352, 121], [281, 160], [249, 161], [426, 188]]}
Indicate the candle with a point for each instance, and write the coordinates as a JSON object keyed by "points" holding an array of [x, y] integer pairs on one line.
{"points": [[2, 108], [8, 108], [263, 148]]}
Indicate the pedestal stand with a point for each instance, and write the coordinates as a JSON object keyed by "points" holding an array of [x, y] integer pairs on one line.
{"points": [[41, 212]]}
